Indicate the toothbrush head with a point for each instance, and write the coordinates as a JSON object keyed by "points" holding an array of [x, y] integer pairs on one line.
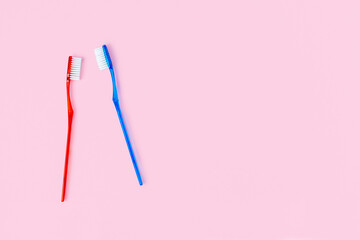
{"points": [[74, 67], [103, 58]]}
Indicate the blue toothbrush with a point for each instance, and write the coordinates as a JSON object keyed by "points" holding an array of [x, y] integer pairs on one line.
{"points": [[104, 62]]}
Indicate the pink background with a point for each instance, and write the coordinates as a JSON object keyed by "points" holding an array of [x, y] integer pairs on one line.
{"points": [[245, 117]]}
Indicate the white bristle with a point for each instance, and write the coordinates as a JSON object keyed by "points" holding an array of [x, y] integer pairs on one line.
{"points": [[75, 68], [100, 58]]}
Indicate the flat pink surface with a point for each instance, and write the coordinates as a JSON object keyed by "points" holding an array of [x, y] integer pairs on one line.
{"points": [[245, 117]]}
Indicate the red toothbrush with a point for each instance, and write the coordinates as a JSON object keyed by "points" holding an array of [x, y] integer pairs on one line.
{"points": [[73, 73]]}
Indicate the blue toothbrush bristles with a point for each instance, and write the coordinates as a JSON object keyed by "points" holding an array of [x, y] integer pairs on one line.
{"points": [[100, 58]]}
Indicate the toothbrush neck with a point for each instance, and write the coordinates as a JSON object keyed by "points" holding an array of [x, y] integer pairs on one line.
{"points": [[115, 93], [70, 109]]}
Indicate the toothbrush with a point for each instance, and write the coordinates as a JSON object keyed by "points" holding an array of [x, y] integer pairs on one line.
{"points": [[73, 73], [104, 62]]}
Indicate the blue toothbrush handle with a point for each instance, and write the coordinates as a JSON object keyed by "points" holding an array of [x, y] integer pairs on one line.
{"points": [[133, 159], [128, 143], [117, 106]]}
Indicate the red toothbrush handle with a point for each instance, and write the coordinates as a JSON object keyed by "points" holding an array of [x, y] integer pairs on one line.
{"points": [[70, 117]]}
